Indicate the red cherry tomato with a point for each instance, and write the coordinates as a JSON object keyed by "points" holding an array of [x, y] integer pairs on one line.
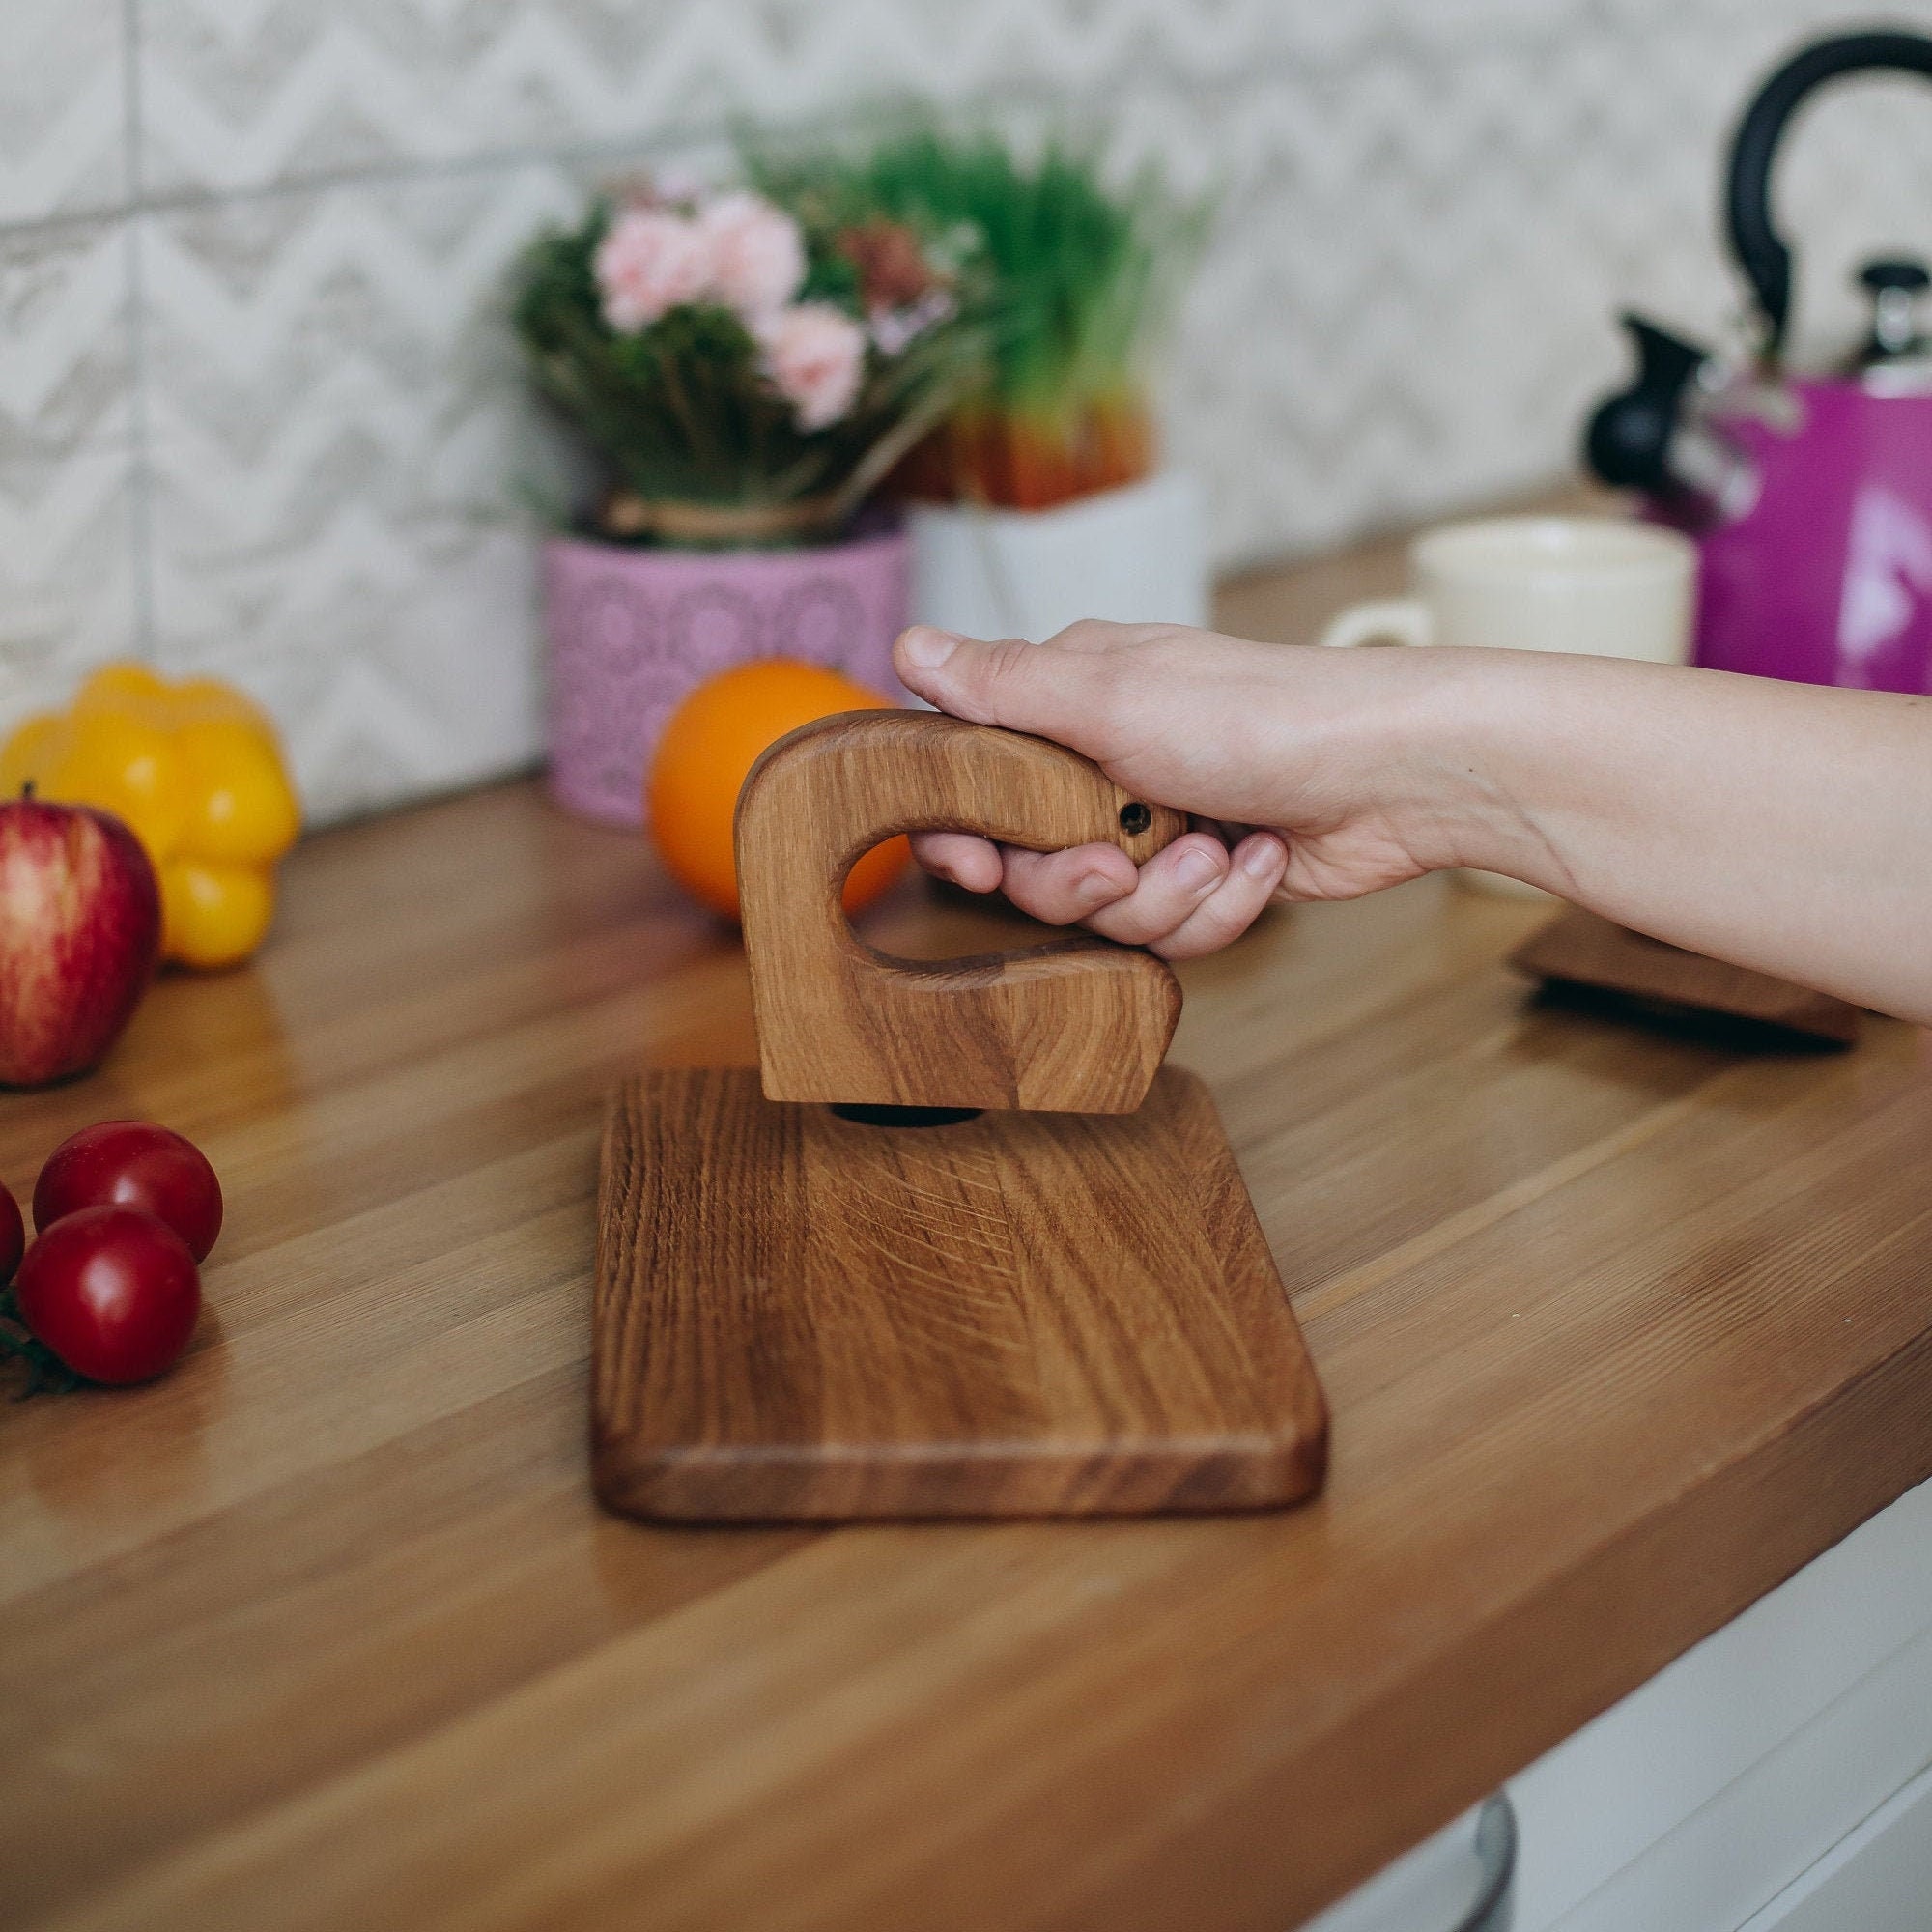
{"points": [[13, 1236], [112, 1291], [133, 1164]]}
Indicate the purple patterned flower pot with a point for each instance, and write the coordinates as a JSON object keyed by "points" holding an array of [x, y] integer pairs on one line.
{"points": [[632, 631]]}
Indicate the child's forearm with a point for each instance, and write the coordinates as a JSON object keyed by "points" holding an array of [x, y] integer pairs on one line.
{"points": [[1779, 826]]}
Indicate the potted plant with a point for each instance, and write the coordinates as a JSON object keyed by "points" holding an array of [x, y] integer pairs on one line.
{"points": [[1039, 498], [743, 379]]}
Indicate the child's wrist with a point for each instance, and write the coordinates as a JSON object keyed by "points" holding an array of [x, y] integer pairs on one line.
{"points": [[1476, 740]]}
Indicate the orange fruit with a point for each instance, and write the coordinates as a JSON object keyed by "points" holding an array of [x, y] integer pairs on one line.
{"points": [[708, 748]]}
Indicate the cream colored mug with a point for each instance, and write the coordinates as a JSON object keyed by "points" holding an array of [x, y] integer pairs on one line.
{"points": [[1596, 585], [1600, 586]]}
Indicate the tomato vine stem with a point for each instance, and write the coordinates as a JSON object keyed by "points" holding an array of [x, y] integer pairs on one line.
{"points": [[47, 1372]]}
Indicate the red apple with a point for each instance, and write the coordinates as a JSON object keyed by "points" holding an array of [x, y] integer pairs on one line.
{"points": [[80, 925]]}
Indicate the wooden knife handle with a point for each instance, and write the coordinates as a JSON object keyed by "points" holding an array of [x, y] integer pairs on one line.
{"points": [[1078, 1024]]}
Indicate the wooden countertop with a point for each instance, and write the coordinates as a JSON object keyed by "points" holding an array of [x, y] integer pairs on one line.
{"points": [[323, 1630]]}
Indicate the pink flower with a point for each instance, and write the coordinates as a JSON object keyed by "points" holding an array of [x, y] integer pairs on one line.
{"points": [[815, 353], [650, 261], [757, 252]]}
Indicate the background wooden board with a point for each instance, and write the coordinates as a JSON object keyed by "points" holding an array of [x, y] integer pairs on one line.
{"points": [[326, 1629], [799, 1315], [1583, 948]]}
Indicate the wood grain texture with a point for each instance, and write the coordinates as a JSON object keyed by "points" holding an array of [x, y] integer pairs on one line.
{"points": [[1076, 1024], [325, 1629], [1583, 948], [800, 1317]]}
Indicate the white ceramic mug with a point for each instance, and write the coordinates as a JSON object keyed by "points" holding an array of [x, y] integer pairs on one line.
{"points": [[1597, 584], [1600, 586]]}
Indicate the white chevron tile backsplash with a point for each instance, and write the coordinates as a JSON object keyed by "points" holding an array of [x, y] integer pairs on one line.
{"points": [[68, 595], [67, 588], [65, 345], [245, 94], [259, 412], [337, 433], [62, 107]]}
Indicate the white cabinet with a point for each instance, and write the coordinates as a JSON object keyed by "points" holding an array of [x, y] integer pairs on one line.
{"points": [[1707, 1796], [1777, 1777], [1876, 1879]]}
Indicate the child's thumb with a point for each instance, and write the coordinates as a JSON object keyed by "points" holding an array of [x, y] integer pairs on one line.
{"points": [[1024, 687]]}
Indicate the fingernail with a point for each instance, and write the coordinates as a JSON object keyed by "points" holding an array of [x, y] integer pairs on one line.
{"points": [[1265, 858], [1197, 871], [928, 647], [1091, 887]]}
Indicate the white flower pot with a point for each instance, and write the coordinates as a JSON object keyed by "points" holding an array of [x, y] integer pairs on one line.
{"points": [[1137, 555]]}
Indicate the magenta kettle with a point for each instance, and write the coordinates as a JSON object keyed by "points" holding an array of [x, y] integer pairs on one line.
{"points": [[1809, 496]]}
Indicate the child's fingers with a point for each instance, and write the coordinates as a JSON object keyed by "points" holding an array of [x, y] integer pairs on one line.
{"points": [[1255, 870], [1061, 887], [1171, 885], [958, 856], [1193, 897]]}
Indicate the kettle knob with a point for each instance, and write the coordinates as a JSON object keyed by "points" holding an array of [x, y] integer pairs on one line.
{"points": [[1898, 272], [1895, 283], [1628, 437]]}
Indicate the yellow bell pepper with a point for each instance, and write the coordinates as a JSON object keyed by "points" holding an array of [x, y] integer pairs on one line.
{"points": [[196, 771]]}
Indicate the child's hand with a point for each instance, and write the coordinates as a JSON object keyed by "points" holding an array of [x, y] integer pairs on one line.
{"points": [[1778, 826], [1296, 741]]}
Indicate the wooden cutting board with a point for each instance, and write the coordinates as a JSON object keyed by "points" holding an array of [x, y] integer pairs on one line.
{"points": [[1060, 1305], [800, 1315], [1579, 948]]}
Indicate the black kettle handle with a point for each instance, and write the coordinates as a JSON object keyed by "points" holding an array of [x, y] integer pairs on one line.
{"points": [[1763, 258]]}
